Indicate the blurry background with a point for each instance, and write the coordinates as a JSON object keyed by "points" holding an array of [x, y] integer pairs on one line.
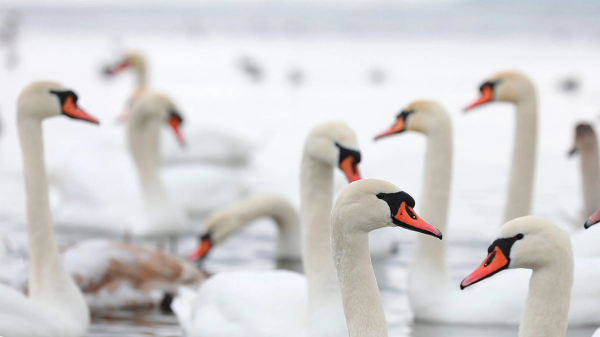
{"points": [[267, 71]]}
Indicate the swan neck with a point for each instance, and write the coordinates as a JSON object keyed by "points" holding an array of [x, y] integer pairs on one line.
{"points": [[590, 176], [522, 171], [360, 294], [144, 144], [141, 78], [547, 306], [285, 217], [49, 282], [428, 265], [316, 181]]}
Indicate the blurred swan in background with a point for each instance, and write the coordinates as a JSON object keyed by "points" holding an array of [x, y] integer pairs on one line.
{"points": [[586, 146], [539, 245], [432, 295], [205, 145], [114, 203], [118, 275], [276, 303], [516, 88], [228, 220], [55, 306], [364, 206]]}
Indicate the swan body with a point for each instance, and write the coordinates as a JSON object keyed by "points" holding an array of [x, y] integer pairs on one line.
{"points": [[226, 221], [117, 275], [432, 295], [539, 245], [316, 297], [55, 306]]}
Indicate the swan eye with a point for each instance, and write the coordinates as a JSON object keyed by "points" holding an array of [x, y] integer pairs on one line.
{"points": [[490, 259], [411, 213], [519, 236]]}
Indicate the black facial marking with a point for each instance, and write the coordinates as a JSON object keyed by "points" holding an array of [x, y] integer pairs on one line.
{"points": [[405, 113], [176, 115], [491, 84], [345, 153], [63, 95], [207, 236], [505, 245], [394, 200]]}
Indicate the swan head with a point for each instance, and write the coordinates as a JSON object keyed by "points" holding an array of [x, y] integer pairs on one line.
{"points": [[219, 225], [334, 143], [160, 108], [130, 60], [372, 204], [526, 242], [585, 139], [41, 100], [508, 86], [421, 116]]}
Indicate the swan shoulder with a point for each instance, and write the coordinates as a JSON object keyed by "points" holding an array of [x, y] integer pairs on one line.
{"points": [[251, 303]]}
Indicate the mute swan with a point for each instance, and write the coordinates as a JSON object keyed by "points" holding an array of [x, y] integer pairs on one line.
{"points": [[518, 89], [205, 145], [586, 145], [55, 306], [432, 296], [539, 245], [361, 207], [283, 303], [166, 198], [224, 222], [117, 275]]}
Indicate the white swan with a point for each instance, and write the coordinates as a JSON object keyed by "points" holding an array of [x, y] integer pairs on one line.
{"points": [[208, 146], [361, 207], [118, 275], [586, 145], [518, 89], [282, 303], [432, 295], [226, 221], [55, 306], [167, 197], [539, 245]]}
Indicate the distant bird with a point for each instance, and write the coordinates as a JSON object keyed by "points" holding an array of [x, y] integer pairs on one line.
{"points": [[296, 76], [569, 84], [377, 76], [9, 33], [251, 68], [137, 62]]}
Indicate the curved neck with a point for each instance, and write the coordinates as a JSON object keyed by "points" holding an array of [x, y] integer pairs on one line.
{"points": [[144, 141], [360, 294], [49, 282], [316, 183], [284, 215], [590, 179], [547, 306], [520, 190], [140, 74], [428, 265]]}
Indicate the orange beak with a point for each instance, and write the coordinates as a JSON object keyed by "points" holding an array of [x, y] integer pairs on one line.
{"points": [[594, 219], [72, 110], [396, 128], [487, 95], [202, 250], [410, 220], [116, 69], [494, 263], [175, 122], [350, 168]]}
